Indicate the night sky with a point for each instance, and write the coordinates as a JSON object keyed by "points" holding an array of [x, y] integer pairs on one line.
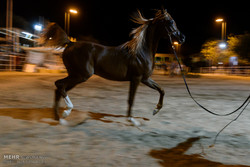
{"points": [[108, 21]]}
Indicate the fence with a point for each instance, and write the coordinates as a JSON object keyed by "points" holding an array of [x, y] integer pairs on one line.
{"points": [[40, 59], [11, 61], [235, 70], [44, 59]]}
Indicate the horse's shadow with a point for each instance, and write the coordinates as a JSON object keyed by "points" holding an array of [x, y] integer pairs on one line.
{"points": [[46, 115], [43, 115], [176, 157]]}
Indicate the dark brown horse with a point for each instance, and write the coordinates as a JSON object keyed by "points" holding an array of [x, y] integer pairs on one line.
{"points": [[132, 61]]}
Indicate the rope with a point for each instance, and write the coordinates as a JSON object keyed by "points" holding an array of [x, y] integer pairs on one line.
{"points": [[189, 92]]}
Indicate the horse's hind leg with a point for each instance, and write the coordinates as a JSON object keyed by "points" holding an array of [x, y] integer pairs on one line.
{"points": [[59, 92], [152, 84], [63, 86]]}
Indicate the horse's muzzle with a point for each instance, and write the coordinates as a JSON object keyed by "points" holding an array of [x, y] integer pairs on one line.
{"points": [[180, 37]]}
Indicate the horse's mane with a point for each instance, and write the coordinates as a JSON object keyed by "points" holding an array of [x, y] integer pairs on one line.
{"points": [[136, 43]]}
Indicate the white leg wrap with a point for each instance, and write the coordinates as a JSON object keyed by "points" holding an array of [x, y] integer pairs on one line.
{"points": [[69, 106], [134, 121], [63, 121]]}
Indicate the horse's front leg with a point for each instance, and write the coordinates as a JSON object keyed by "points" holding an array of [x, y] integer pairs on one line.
{"points": [[152, 84], [132, 90]]}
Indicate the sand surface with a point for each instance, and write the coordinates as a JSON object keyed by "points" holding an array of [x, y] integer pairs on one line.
{"points": [[99, 135]]}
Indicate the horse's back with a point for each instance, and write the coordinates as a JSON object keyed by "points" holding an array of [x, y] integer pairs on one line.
{"points": [[87, 58], [78, 58], [112, 63]]}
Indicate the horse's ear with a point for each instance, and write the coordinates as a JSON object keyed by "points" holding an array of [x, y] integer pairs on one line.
{"points": [[163, 10]]}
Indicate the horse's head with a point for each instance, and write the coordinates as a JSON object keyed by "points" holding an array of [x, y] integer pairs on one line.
{"points": [[169, 26]]}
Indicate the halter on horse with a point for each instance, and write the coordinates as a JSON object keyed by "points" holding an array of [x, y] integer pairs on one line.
{"points": [[132, 61]]}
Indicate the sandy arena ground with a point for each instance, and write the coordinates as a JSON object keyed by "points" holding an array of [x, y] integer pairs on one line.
{"points": [[178, 136]]}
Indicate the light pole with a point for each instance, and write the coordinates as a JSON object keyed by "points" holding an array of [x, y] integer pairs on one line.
{"points": [[223, 44], [223, 28], [9, 20], [67, 19]]}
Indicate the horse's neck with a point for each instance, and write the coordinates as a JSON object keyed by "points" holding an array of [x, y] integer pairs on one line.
{"points": [[149, 48], [151, 41]]}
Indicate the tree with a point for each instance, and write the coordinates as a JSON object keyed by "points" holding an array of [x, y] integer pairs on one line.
{"points": [[242, 48], [237, 46], [214, 54]]}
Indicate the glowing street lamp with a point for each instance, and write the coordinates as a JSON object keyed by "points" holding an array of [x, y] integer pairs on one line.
{"points": [[178, 46], [73, 11], [38, 27], [219, 20], [67, 19], [223, 45]]}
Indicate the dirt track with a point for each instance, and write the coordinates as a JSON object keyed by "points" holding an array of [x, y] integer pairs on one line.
{"points": [[179, 135]]}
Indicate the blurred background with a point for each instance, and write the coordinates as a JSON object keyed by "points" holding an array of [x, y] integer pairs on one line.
{"points": [[217, 33]]}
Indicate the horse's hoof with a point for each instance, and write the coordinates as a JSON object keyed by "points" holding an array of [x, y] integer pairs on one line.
{"points": [[63, 122], [66, 113], [156, 111], [134, 121]]}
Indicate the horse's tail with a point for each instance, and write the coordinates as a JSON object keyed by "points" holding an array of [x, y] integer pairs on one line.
{"points": [[54, 35]]}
